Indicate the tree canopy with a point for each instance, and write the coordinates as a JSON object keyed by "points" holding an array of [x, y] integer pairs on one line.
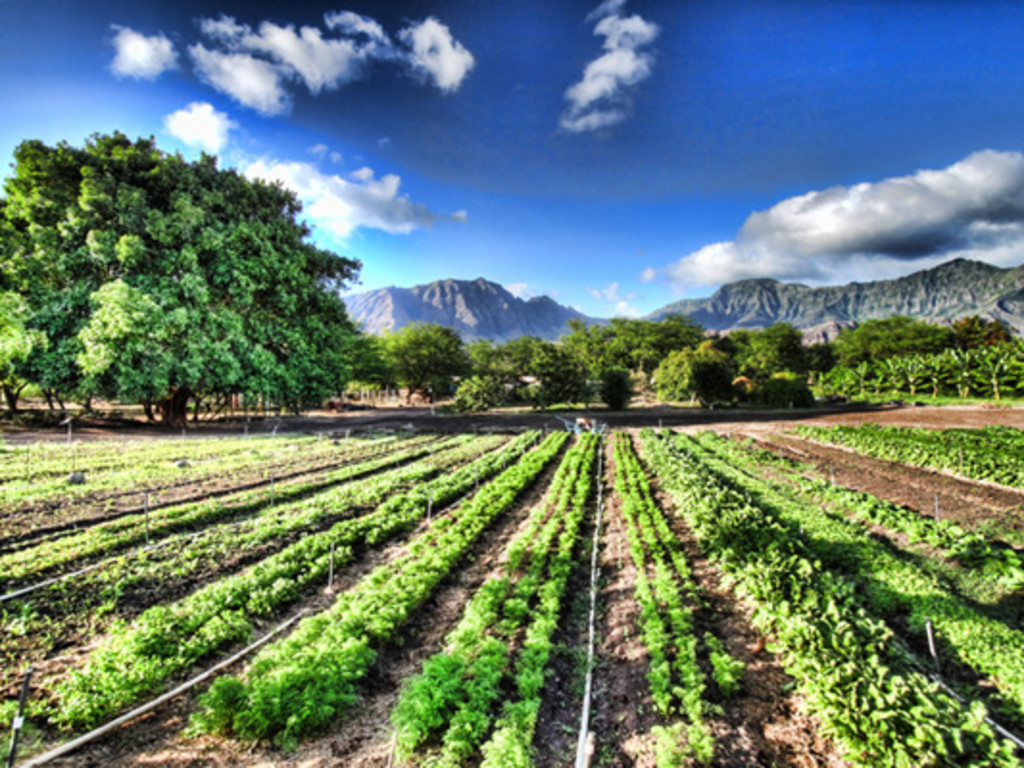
{"points": [[426, 356], [891, 337], [158, 280]]}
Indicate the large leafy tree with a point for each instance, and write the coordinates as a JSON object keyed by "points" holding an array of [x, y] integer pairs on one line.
{"points": [[705, 374], [164, 281], [426, 356], [777, 348]]}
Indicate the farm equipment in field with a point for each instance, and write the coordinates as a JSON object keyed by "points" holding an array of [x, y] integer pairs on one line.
{"points": [[580, 425]]}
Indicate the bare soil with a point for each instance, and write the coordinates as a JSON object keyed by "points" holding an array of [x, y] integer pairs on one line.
{"points": [[421, 419], [970, 503]]}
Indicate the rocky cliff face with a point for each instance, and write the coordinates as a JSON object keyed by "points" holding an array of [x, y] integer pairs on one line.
{"points": [[477, 309], [941, 294]]}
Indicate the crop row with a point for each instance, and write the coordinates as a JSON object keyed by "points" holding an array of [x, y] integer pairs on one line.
{"points": [[852, 674], [138, 475], [116, 535], [896, 586], [298, 685], [995, 454], [122, 583], [666, 622], [1002, 565], [453, 701], [135, 660], [41, 460]]}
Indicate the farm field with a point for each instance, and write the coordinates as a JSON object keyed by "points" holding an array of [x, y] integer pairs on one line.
{"points": [[762, 596]]}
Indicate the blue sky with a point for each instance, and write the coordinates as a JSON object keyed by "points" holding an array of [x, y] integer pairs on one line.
{"points": [[615, 156]]}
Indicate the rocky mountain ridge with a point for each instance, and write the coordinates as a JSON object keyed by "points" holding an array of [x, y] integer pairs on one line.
{"points": [[480, 309], [477, 309]]}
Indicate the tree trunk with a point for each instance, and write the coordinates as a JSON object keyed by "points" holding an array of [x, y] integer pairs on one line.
{"points": [[48, 394], [174, 409], [195, 409], [11, 396], [147, 408]]}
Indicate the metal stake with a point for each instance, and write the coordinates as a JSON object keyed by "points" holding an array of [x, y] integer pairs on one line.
{"points": [[330, 570], [430, 504], [145, 507], [19, 721], [931, 641], [938, 517]]}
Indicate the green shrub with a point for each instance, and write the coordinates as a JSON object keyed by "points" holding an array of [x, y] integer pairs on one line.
{"points": [[616, 388], [785, 390], [479, 393]]}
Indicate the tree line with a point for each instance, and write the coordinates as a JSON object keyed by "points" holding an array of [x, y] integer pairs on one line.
{"points": [[675, 359], [132, 275]]}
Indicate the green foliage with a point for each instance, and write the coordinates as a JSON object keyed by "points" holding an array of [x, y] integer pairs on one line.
{"points": [[973, 332], [637, 345], [479, 393], [298, 685], [704, 373], [156, 279], [761, 354], [616, 388], [852, 675], [426, 356], [784, 390], [880, 339], [726, 671]]}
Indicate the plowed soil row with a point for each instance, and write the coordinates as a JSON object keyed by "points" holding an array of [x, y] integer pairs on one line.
{"points": [[975, 505]]}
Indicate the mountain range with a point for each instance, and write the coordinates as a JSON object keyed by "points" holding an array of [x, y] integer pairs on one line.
{"points": [[477, 309], [480, 309]]}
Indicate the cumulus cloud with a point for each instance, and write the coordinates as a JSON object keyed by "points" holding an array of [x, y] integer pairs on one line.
{"points": [[610, 293], [602, 97], [258, 66], [140, 56], [250, 81], [972, 209], [625, 309], [436, 55], [339, 205], [519, 290], [200, 125], [649, 274]]}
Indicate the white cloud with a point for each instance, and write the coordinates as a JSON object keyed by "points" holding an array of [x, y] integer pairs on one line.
{"points": [[250, 81], [436, 54], [519, 290], [258, 67], [648, 274], [354, 24], [972, 209], [339, 205], [200, 125], [607, 8], [602, 97], [625, 309], [140, 56], [336, 157], [610, 293], [318, 150]]}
